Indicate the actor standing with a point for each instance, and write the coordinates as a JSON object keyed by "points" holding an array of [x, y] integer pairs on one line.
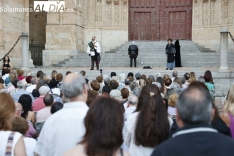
{"points": [[177, 56], [133, 52], [170, 52], [94, 50]]}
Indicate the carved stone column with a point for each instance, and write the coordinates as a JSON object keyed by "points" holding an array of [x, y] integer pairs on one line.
{"points": [[24, 51], [224, 50]]}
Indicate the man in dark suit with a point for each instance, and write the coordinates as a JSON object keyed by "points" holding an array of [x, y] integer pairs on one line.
{"points": [[133, 52], [195, 137]]}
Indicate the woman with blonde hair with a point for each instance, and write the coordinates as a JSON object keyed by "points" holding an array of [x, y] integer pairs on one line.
{"points": [[192, 77], [11, 143], [228, 116], [142, 83], [172, 105]]}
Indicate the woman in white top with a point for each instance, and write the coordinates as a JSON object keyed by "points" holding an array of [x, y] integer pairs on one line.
{"points": [[104, 123], [149, 125], [11, 142]]}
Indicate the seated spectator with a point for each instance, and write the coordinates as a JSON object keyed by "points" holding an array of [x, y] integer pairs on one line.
{"points": [[131, 105], [114, 84], [138, 77], [116, 94], [163, 88], [194, 115], [143, 76], [13, 79], [95, 86], [178, 81], [47, 79], [228, 116], [20, 74], [107, 81], [7, 111], [131, 79], [133, 85], [40, 75], [169, 90], [172, 105], [124, 94], [18, 109], [44, 114], [28, 81], [144, 131], [131, 74], [33, 85], [28, 114], [137, 91], [152, 78], [112, 74], [106, 91], [92, 95], [174, 75], [158, 75], [21, 86], [106, 132], [101, 83], [187, 77], [192, 77], [165, 76], [56, 107], [176, 88], [122, 77], [20, 125], [39, 104], [142, 83], [53, 82], [59, 78], [210, 83], [149, 81], [35, 92]]}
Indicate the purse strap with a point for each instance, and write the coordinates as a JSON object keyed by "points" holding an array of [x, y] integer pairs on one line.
{"points": [[9, 144]]}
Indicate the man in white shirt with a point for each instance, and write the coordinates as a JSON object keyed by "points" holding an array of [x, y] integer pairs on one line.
{"points": [[64, 129], [44, 114], [94, 50], [33, 86], [132, 104]]}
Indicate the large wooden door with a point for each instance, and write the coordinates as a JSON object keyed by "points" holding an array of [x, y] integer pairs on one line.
{"points": [[160, 19]]}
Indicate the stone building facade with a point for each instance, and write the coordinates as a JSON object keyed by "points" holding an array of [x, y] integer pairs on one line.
{"points": [[65, 34]]}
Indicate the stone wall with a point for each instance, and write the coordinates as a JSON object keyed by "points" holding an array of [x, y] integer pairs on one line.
{"points": [[208, 17], [107, 20]]}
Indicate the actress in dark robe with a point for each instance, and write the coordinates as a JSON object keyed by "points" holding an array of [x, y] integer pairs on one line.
{"points": [[170, 52], [177, 56]]}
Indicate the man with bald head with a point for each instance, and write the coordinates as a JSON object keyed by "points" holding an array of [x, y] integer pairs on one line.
{"points": [[64, 129], [19, 109], [195, 136]]}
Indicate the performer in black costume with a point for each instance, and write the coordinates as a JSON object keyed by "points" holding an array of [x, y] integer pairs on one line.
{"points": [[6, 64], [177, 56], [133, 52], [170, 52]]}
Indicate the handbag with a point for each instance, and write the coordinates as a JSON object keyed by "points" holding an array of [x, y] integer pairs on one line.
{"points": [[9, 144]]}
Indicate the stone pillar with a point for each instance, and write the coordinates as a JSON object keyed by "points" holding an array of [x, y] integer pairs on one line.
{"points": [[24, 51], [224, 50]]}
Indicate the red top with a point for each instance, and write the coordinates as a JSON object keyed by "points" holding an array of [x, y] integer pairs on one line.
{"points": [[38, 104]]}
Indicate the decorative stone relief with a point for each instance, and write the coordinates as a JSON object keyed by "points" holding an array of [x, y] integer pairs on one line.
{"points": [[116, 2], [125, 2], [108, 2], [99, 0]]}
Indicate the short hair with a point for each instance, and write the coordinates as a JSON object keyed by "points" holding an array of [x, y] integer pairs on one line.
{"points": [[168, 82], [99, 79], [174, 73], [186, 76], [39, 74], [33, 80], [68, 72], [59, 77], [82, 72], [107, 81], [92, 95], [149, 81], [20, 125], [130, 74], [169, 40], [114, 84], [73, 86], [152, 78], [138, 76], [132, 99], [157, 84], [28, 79], [137, 91], [113, 74], [101, 124], [130, 78], [53, 74], [182, 79], [127, 82], [48, 100], [158, 75], [43, 90], [195, 105], [133, 85], [56, 107], [122, 77], [177, 80], [106, 89], [124, 93], [173, 100], [20, 72], [95, 85], [116, 94], [21, 84], [7, 108]]}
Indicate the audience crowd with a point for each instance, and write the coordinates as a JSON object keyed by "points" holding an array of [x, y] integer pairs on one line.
{"points": [[113, 115]]}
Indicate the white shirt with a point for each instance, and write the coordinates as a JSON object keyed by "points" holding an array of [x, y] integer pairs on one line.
{"points": [[30, 88], [98, 48], [62, 130], [129, 140], [43, 114], [30, 144], [5, 76], [129, 110], [4, 138]]}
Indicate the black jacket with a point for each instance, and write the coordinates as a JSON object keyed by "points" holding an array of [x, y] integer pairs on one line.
{"points": [[199, 143], [133, 51]]}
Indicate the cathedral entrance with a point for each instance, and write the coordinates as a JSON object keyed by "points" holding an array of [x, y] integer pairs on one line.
{"points": [[160, 19]]}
